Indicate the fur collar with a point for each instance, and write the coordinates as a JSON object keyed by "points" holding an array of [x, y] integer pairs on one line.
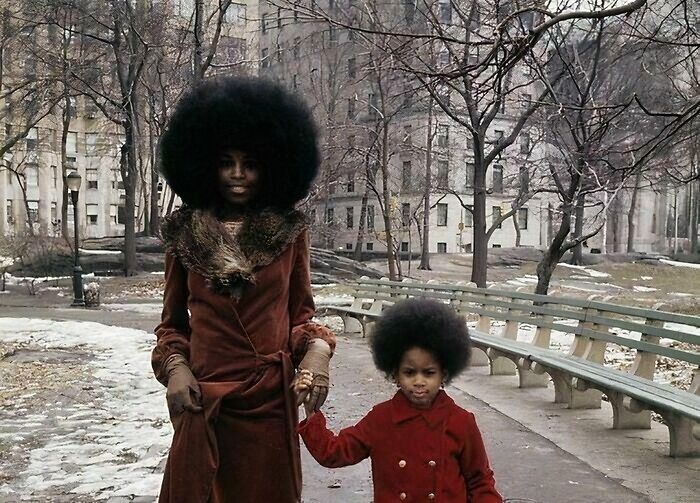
{"points": [[206, 246]]}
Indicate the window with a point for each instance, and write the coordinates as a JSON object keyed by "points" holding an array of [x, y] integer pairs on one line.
{"points": [[279, 17], [352, 68], [522, 218], [469, 216], [407, 130], [263, 23], [442, 214], [351, 108], [54, 176], [31, 139], [72, 142], [445, 13], [442, 247], [295, 81], [10, 218], [72, 107], [525, 143], [295, 48], [116, 177], [91, 214], [406, 214], [469, 174], [236, 14], [350, 187], [349, 217], [348, 246], [372, 104], [351, 140], [264, 60], [31, 175], [443, 135], [443, 173], [526, 100], [91, 143], [524, 179], [496, 215], [497, 178], [333, 34], [370, 217], [329, 216], [113, 212], [370, 246], [10, 174], [33, 212], [331, 187], [404, 246], [498, 134], [54, 213], [406, 175], [91, 178]]}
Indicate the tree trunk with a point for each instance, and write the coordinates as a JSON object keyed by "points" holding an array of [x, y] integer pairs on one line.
{"points": [[425, 239], [479, 259], [198, 70], [694, 216], [64, 168], [359, 243], [578, 230], [386, 195], [129, 175], [516, 226], [553, 254], [632, 211]]}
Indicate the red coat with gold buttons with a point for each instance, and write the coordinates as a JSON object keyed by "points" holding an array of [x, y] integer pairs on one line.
{"points": [[426, 455]]}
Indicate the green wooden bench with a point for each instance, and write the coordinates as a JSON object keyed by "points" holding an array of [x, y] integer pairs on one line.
{"points": [[580, 375]]}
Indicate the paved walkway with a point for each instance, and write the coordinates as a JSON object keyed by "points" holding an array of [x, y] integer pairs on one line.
{"points": [[528, 466]]}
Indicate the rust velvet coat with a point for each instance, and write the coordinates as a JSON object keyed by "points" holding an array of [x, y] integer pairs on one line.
{"points": [[243, 447], [424, 455]]}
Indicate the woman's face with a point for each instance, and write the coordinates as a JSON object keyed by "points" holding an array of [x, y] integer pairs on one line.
{"points": [[239, 178]]}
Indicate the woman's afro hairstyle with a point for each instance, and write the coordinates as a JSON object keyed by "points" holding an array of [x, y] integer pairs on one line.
{"points": [[253, 115], [426, 324]]}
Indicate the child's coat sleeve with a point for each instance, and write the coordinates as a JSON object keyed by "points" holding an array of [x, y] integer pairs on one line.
{"points": [[348, 447], [481, 485]]}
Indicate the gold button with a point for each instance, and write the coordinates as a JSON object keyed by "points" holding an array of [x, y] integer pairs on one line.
{"points": [[431, 496], [402, 496], [402, 463], [431, 463]]}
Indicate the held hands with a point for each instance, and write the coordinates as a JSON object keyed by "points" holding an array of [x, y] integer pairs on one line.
{"points": [[302, 383], [183, 391], [317, 362]]}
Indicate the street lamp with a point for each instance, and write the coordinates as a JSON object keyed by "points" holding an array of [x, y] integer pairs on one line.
{"points": [[73, 182]]}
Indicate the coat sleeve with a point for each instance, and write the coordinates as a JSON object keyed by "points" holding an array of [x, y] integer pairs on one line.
{"points": [[173, 332], [301, 304], [349, 447], [478, 476]]}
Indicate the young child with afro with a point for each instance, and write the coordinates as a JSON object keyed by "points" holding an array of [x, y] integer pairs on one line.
{"points": [[238, 306], [423, 446]]}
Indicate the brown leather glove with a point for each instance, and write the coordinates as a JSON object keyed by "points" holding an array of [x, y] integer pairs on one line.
{"points": [[183, 391], [317, 360]]}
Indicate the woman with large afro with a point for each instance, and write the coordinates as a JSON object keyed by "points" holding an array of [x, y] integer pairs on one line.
{"points": [[237, 306]]}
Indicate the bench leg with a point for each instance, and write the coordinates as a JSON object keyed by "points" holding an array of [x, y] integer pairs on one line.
{"points": [[367, 324], [478, 358], [684, 435], [529, 379], [581, 397], [500, 366], [626, 415], [352, 325], [562, 383]]}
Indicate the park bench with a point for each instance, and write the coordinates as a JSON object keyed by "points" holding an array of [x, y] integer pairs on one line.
{"points": [[580, 375]]}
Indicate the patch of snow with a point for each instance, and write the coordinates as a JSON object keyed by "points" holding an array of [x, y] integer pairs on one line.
{"points": [[591, 272], [141, 308], [675, 263], [117, 436], [157, 273], [681, 294], [86, 251], [647, 278], [639, 288]]}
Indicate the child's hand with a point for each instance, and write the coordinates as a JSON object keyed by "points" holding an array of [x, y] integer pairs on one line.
{"points": [[301, 385]]}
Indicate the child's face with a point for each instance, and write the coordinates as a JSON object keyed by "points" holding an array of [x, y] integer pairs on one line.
{"points": [[238, 177], [420, 377]]}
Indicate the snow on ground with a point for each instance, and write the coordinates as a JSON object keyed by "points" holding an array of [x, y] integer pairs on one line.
{"points": [[679, 264], [85, 251], [639, 288], [591, 272], [141, 308], [110, 444]]}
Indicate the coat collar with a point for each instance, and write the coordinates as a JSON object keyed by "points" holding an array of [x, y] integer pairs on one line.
{"points": [[402, 410], [228, 262]]}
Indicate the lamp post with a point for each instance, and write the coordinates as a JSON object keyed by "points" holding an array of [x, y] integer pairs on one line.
{"points": [[73, 182]]}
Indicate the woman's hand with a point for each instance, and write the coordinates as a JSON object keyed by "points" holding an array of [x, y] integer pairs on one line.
{"points": [[183, 391], [301, 386], [317, 361]]}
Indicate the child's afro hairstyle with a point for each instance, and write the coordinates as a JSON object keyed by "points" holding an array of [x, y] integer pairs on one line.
{"points": [[253, 115], [426, 324]]}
